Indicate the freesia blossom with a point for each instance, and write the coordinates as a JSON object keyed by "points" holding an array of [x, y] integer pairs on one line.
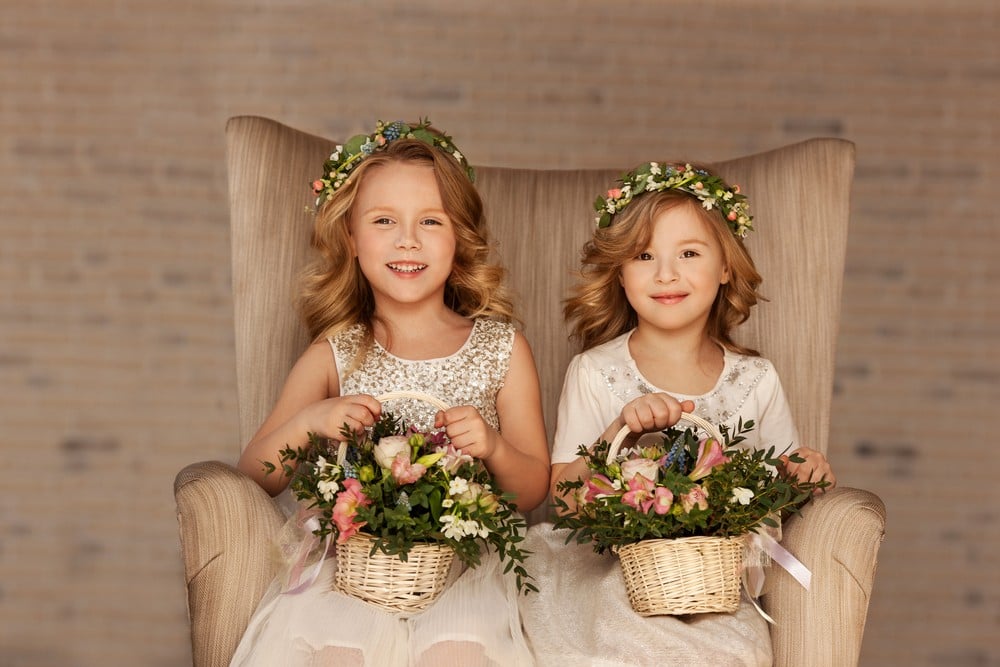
{"points": [[742, 496], [710, 454], [405, 472], [639, 494], [696, 497], [599, 486], [646, 467], [389, 447], [346, 509]]}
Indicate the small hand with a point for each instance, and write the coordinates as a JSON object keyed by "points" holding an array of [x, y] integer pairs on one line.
{"points": [[468, 431], [357, 411], [653, 412], [813, 468]]}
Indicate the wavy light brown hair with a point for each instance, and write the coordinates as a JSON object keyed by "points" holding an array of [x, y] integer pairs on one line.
{"points": [[336, 294], [597, 305]]}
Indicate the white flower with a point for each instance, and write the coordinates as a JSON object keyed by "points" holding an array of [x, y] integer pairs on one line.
{"points": [[447, 502], [654, 168], [458, 156], [648, 468], [741, 495], [389, 447], [458, 486], [328, 488], [708, 203]]}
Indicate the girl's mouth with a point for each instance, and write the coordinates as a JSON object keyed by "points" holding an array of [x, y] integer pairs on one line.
{"points": [[406, 267]]}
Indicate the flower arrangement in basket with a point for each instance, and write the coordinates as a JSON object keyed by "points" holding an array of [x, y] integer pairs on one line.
{"points": [[679, 513], [401, 504]]}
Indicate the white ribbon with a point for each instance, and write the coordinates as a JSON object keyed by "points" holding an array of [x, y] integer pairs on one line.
{"points": [[753, 574]]}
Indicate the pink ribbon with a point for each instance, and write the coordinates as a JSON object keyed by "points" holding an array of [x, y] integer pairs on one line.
{"points": [[299, 576]]}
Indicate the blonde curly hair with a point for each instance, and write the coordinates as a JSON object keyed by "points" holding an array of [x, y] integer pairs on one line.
{"points": [[335, 293]]}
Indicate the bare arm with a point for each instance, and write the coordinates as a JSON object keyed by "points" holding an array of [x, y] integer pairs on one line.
{"points": [[519, 458], [309, 403]]}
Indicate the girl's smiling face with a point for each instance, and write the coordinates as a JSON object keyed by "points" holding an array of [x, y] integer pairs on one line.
{"points": [[401, 235], [672, 283]]}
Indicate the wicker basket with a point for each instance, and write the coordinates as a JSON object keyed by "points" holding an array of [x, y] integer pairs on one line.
{"points": [[686, 575], [387, 581]]}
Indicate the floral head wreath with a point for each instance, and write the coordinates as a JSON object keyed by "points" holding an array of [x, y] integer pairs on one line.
{"points": [[346, 157], [709, 189]]}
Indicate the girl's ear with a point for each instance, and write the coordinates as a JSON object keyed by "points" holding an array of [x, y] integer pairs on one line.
{"points": [[725, 276]]}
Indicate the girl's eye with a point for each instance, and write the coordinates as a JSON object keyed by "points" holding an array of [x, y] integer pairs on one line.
{"points": [[430, 221], [644, 256], [383, 221], [687, 254]]}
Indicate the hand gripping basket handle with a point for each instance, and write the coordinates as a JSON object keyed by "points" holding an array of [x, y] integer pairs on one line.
{"points": [[389, 396], [695, 420]]}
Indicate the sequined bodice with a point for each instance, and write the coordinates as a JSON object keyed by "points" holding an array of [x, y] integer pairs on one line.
{"points": [[471, 376]]}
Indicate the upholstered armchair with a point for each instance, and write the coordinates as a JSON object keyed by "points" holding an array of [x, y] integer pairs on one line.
{"points": [[540, 220]]}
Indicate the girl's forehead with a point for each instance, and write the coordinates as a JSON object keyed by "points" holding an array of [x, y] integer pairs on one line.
{"points": [[680, 222]]}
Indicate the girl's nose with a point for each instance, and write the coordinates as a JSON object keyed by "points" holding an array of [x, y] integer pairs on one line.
{"points": [[407, 239], [666, 271]]}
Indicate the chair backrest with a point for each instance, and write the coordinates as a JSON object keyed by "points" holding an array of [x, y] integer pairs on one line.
{"points": [[799, 195]]}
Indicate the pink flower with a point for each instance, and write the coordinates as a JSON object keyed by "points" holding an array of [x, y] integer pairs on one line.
{"points": [[346, 509], [317, 186], [599, 486], [453, 459], [614, 193], [709, 455], [662, 500], [732, 216], [696, 497], [405, 472], [639, 493]]}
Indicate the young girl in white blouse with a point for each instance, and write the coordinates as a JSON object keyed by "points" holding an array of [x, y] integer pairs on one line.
{"points": [[663, 282]]}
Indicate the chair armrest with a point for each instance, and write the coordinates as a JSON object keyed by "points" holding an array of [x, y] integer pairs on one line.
{"points": [[226, 523], [837, 536]]}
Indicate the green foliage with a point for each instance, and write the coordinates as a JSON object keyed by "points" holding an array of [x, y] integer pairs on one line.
{"points": [[427, 491], [740, 491]]}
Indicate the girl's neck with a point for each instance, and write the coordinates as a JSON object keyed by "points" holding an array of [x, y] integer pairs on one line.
{"points": [[423, 333], [688, 363]]}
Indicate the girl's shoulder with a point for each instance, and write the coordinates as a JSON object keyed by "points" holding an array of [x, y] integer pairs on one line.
{"points": [[488, 331], [612, 352]]}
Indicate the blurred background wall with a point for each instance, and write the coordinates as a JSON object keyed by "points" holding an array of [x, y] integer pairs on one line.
{"points": [[116, 363]]}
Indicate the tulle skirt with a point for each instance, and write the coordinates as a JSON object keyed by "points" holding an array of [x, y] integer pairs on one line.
{"points": [[581, 616], [475, 621]]}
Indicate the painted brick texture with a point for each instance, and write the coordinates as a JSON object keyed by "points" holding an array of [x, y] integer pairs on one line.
{"points": [[116, 365]]}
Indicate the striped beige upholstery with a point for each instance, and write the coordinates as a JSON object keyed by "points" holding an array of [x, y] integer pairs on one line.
{"points": [[540, 219]]}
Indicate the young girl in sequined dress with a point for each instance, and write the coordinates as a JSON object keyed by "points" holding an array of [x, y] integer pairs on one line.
{"points": [[403, 297], [664, 280]]}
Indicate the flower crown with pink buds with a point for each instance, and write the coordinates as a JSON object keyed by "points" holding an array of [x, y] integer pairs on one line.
{"points": [[709, 189], [346, 157]]}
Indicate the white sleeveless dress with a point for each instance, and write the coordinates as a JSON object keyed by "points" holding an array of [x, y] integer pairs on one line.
{"points": [[478, 611]]}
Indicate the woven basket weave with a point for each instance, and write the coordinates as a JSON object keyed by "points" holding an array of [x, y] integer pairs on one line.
{"points": [[685, 575], [386, 581]]}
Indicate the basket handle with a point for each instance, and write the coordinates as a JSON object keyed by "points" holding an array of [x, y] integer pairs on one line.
{"points": [[695, 420], [389, 396], [416, 395]]}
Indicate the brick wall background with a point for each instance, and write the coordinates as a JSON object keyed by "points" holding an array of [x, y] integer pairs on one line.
{"points": [[116, 364]]}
